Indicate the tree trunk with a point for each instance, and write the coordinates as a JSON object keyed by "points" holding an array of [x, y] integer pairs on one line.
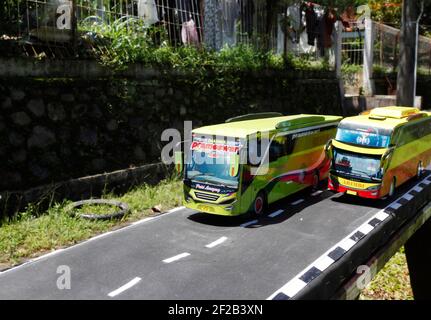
{"points": [[406, 79]]}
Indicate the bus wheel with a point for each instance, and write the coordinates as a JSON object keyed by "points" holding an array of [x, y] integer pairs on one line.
{"points": [[259, 204], [420, 170], [392, 187]]}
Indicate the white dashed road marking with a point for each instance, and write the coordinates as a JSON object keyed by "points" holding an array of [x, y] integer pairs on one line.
{"points": [[216, 243], [276, 213], [248, 223], [297, 202], [177, 257], [127, 286]]}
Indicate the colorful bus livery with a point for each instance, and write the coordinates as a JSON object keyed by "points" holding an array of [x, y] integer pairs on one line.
{"points": [[379, 150], [220, 176]]}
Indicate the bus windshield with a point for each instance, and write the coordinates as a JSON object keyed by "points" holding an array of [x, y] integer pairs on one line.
{"points": [[367, 137], [364, 167], [210, 162]]}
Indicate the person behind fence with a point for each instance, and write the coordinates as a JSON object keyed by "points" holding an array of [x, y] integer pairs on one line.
{"points": [[348, 19]]}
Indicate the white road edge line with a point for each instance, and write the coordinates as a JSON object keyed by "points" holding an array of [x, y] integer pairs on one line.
{"points": [[216, 243], [142, 221], [246, 224], [127, 286], [177, 257], [102, 235], [297, 202], [276, 213]]}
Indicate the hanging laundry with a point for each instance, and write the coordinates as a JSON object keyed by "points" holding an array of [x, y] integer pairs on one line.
{"points": [[230, 13], [329, 19], [311, 24], [147, 10], [294, 14], [320, 28], [189, 34], [326, 28], [247, 16], [281, 31], [212, 24]]}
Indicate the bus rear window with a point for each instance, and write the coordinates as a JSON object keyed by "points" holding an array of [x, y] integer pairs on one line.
{"points": [[364, 137]]}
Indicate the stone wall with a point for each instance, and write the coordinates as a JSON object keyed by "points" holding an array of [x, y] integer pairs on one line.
{"points": [[56, 129]]}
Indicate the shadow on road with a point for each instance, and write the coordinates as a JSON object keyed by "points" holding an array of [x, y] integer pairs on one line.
{"points": [[283, 204]]}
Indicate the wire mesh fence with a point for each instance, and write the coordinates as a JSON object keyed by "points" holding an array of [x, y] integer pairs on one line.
{"points": [[51, 24], [58, 28], [387, 50]]}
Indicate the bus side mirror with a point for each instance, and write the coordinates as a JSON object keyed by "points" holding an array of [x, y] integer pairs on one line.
{"points": [[234, 165], [388, 153], [179, 163], [328, 149]]}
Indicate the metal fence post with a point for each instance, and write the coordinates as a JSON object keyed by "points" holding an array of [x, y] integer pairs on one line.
{"points": [[74, 25], [338, 42], [368, 83], [338, 62]]}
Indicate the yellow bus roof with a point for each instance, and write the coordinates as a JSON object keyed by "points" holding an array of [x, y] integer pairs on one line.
{"points": [[242, 129], [386, 117]]}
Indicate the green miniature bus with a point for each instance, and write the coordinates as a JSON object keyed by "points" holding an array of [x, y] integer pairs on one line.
{"points": [[220, 176]]}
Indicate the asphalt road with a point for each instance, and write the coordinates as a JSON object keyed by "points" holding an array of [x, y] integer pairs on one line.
{"points": [[190, 255]]}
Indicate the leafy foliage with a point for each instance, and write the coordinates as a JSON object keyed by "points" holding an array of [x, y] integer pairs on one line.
{"points": [[387, 11], [122, 43]]}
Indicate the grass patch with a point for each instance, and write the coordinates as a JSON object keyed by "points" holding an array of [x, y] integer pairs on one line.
{"points": [[30, 234], [392, 282]]}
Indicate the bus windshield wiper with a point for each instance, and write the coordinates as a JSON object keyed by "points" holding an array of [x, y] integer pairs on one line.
{"points": [[202, 175], [212, 180], [363, 173], [368, 175]]}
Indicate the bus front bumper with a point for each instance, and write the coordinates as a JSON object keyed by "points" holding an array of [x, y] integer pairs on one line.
{"points": [[228, 210], [336, 185]]}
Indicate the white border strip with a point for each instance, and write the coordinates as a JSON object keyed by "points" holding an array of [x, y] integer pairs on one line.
{"points": [[293, 286]]}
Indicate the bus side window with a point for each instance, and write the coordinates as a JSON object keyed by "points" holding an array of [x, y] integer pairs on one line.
{"points": [[425, 128], [277, 148], [289, 144], [407, 135]]}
